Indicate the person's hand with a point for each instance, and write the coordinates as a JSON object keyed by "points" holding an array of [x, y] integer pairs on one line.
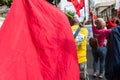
{"points": [[106, 12], [80, 24], [84, 18], [91, 13], [76, 20]]}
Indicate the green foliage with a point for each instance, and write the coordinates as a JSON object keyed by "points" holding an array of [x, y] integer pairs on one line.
{"points": [[6, 2]]}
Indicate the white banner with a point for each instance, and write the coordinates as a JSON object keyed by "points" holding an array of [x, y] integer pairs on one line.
{"points": [[117, 4]]}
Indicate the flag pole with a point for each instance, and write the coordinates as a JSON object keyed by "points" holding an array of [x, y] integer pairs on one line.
{"points": [[84, 9]]}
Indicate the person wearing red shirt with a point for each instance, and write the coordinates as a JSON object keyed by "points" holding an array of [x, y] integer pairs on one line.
{"points": [[112, 62], [110, 22]]}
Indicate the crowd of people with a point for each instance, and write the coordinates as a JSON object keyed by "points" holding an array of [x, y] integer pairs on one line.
{"points": [[104, 50], [108, 50], [38, 42]]}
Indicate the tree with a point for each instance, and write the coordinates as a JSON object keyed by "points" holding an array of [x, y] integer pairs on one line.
{"points": [[6, 2]]}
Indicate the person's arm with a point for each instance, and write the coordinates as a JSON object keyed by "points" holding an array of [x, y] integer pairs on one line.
{"points": [[107, 15], [107, 32], [83, 23], [93, 20], [111, 25]]}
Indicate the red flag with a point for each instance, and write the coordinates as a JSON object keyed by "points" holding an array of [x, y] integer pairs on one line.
{"points": [[37, 44], [78, 6], [118, 11], [94, 15], [82, 3]]}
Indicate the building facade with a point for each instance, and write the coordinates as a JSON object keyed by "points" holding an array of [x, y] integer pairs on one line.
{"points": [[100, 7]]}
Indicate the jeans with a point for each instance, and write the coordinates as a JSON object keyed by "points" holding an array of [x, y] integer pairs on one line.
{"points": [[99, 54]]}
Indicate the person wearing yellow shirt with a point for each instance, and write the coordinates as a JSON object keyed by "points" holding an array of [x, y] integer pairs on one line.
{"points": [[81, 48]]}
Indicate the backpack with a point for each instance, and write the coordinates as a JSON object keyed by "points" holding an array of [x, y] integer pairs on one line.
{"points": [[78, 37], [93, 42]]}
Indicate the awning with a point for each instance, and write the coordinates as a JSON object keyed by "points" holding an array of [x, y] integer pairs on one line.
{"points": [[103, 6], [106, 4]]}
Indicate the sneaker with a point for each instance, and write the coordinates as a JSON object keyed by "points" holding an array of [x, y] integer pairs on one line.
{"points": [[94, 75], [101, 76]]}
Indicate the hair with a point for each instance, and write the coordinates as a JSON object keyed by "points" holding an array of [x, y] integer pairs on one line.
{"points": [[117, 21], [100, 23], [72, 20]]}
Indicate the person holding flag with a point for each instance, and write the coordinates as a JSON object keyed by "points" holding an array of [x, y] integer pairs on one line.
{"points": [[110, 22], [80, 33]]}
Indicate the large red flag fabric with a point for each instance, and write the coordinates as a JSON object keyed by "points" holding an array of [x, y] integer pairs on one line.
{"points": [[78, 5], [36, 43]]}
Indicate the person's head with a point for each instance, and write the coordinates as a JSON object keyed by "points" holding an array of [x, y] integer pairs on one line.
{"points": [[100, 23], [73, 21], [117, 21]]}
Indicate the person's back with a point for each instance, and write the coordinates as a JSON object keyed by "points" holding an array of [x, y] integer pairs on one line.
{"points": [[81, 51], [100, 33], [82, 48], [99, 53], [112, 66]]}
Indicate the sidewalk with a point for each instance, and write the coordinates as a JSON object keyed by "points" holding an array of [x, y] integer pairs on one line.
{"points": [[91, 77], [1, 21]]}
